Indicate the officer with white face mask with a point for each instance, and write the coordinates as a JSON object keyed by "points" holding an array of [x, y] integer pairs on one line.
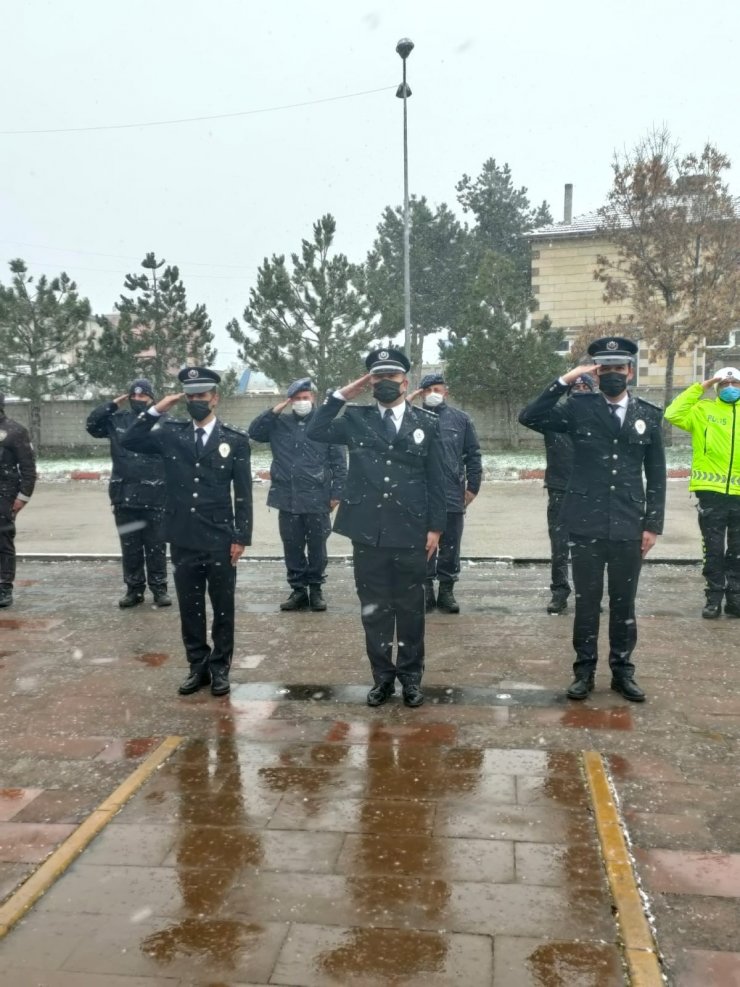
{"points": [[306, 485], [714, 425]]}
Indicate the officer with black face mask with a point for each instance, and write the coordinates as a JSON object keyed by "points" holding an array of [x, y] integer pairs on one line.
{"points": [[612, 516], [393, 509], [208, 520], [137, 495]]}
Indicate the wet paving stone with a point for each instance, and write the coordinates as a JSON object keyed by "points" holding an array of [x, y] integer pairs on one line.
{"points": [[30, 842], [14, 800], [684, 872], [526, 962], [700, 968]]}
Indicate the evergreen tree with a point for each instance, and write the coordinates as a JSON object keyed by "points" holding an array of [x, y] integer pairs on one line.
{"points": [[155, 335], [41, 324], [311, 320]]}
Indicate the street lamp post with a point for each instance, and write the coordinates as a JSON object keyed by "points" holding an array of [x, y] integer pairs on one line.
{"points": [[404, 48]]}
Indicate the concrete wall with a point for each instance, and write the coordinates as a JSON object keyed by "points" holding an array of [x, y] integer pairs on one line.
{"points": [[63, 423]]}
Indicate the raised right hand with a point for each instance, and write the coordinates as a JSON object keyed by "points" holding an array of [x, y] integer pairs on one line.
{"points": [[577, 371], [167, 402], [710, 383], [352, 390], [279, 407], [120, 401]]}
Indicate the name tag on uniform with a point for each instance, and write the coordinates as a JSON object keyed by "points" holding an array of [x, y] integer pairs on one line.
{"points": [[418, 435], [640, 426], [224, 449]]}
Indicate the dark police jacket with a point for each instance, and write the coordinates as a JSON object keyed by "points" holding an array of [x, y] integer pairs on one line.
{"points": [[305, 475], [137, 480], [462, 462], [394, 492], [605, 496], [199, 513], [17, 462]]}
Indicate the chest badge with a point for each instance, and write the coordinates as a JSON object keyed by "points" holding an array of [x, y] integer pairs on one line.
{"points": [[418, 435], [3, 434], [224, 449], [640, 426]]}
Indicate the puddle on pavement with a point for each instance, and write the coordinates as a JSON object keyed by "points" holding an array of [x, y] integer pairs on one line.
{"points": [[558, 964], [126, 750], [152, 658]]}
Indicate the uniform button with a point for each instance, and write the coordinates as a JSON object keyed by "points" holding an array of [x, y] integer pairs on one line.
{"points": [[615, 456], [195, 495], [615, 441], [197, 465], [385, 496], [388, 462], [390, 447], [197, 478], [612, 488], [614, 472], [192, 510], [386, 479]]}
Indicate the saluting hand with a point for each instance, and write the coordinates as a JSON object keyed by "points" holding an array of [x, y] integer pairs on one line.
{"points": [[121, 400], [279, 407], [710, 383], [167, 402], [577, 371], [352, 390], [414, 394]]}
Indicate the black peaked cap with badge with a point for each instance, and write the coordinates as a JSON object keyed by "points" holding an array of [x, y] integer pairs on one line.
{"points": [[387, 361], [196, 380], [613, 350]]}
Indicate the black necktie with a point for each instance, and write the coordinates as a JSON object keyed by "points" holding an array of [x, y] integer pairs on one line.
{"points": [[616, 421], [390, 428], [199, 433]]}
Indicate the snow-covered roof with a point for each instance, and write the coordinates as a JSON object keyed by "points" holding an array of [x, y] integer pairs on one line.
{"points": [[585, 225]]}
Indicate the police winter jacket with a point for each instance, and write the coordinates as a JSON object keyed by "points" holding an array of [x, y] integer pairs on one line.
{"points": [[17, 461], [462, 460], [305, 475], [715, 437], [200, 513], [137, 479], [394, 492], [606, 496]]}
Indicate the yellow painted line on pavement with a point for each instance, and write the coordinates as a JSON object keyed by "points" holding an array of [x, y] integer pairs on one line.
{"points": [[55, 865], [640, 948]]}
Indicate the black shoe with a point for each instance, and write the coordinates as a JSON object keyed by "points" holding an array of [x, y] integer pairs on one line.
{"points": [[132, 598], [430, 601], [316, 598], [412, 694], [626, 686], [6, 596], [580, 687], [199, 676], [446, 601], [298, 600], [220, 685], [161, 598], [711, 611], [731, 610], [380, 693], [558, 603]]}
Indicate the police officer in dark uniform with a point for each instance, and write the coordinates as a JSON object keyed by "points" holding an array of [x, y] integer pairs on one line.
{"points": [[17, 480], [137, 495], [393, 509], [559, 466], [306, 485], [612, 517], [463, 474], [205, 460]]}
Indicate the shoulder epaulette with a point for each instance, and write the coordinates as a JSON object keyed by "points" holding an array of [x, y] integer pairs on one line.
{"points": [[233, 428], [649, 403]]}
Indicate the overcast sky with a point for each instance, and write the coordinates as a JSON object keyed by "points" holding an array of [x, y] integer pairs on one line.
{"points": [[551, 88]]}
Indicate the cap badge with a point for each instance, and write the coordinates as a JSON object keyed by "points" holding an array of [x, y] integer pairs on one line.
{"points": [[192, 373], [640, 426], [383, 354], [138, 390], [612, 345]]}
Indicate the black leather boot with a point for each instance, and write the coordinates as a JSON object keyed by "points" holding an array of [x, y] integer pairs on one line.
{"points": [[199, 676], [316, 598], [161, 598], [446, 601], [732, 604], [132, 598], [298, 600], [430, 601], [558, 603], [626, 686], [580, 687], [6, 596]]}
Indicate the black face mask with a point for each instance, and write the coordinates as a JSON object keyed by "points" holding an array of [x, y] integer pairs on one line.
{"points": [[387, 391], [198, 410], [138, 406], [612, 384]]}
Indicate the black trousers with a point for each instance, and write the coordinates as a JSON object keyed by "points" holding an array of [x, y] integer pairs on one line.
{"points": [[622, 561], [7, 542], [719, 522], [195, 572], [390, 585], [445, 563], [141, 531], [304, 538], [559, 544]]}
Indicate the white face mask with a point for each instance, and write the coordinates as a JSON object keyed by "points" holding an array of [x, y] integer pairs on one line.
{"points": [[433, 399], [303, 407]]}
